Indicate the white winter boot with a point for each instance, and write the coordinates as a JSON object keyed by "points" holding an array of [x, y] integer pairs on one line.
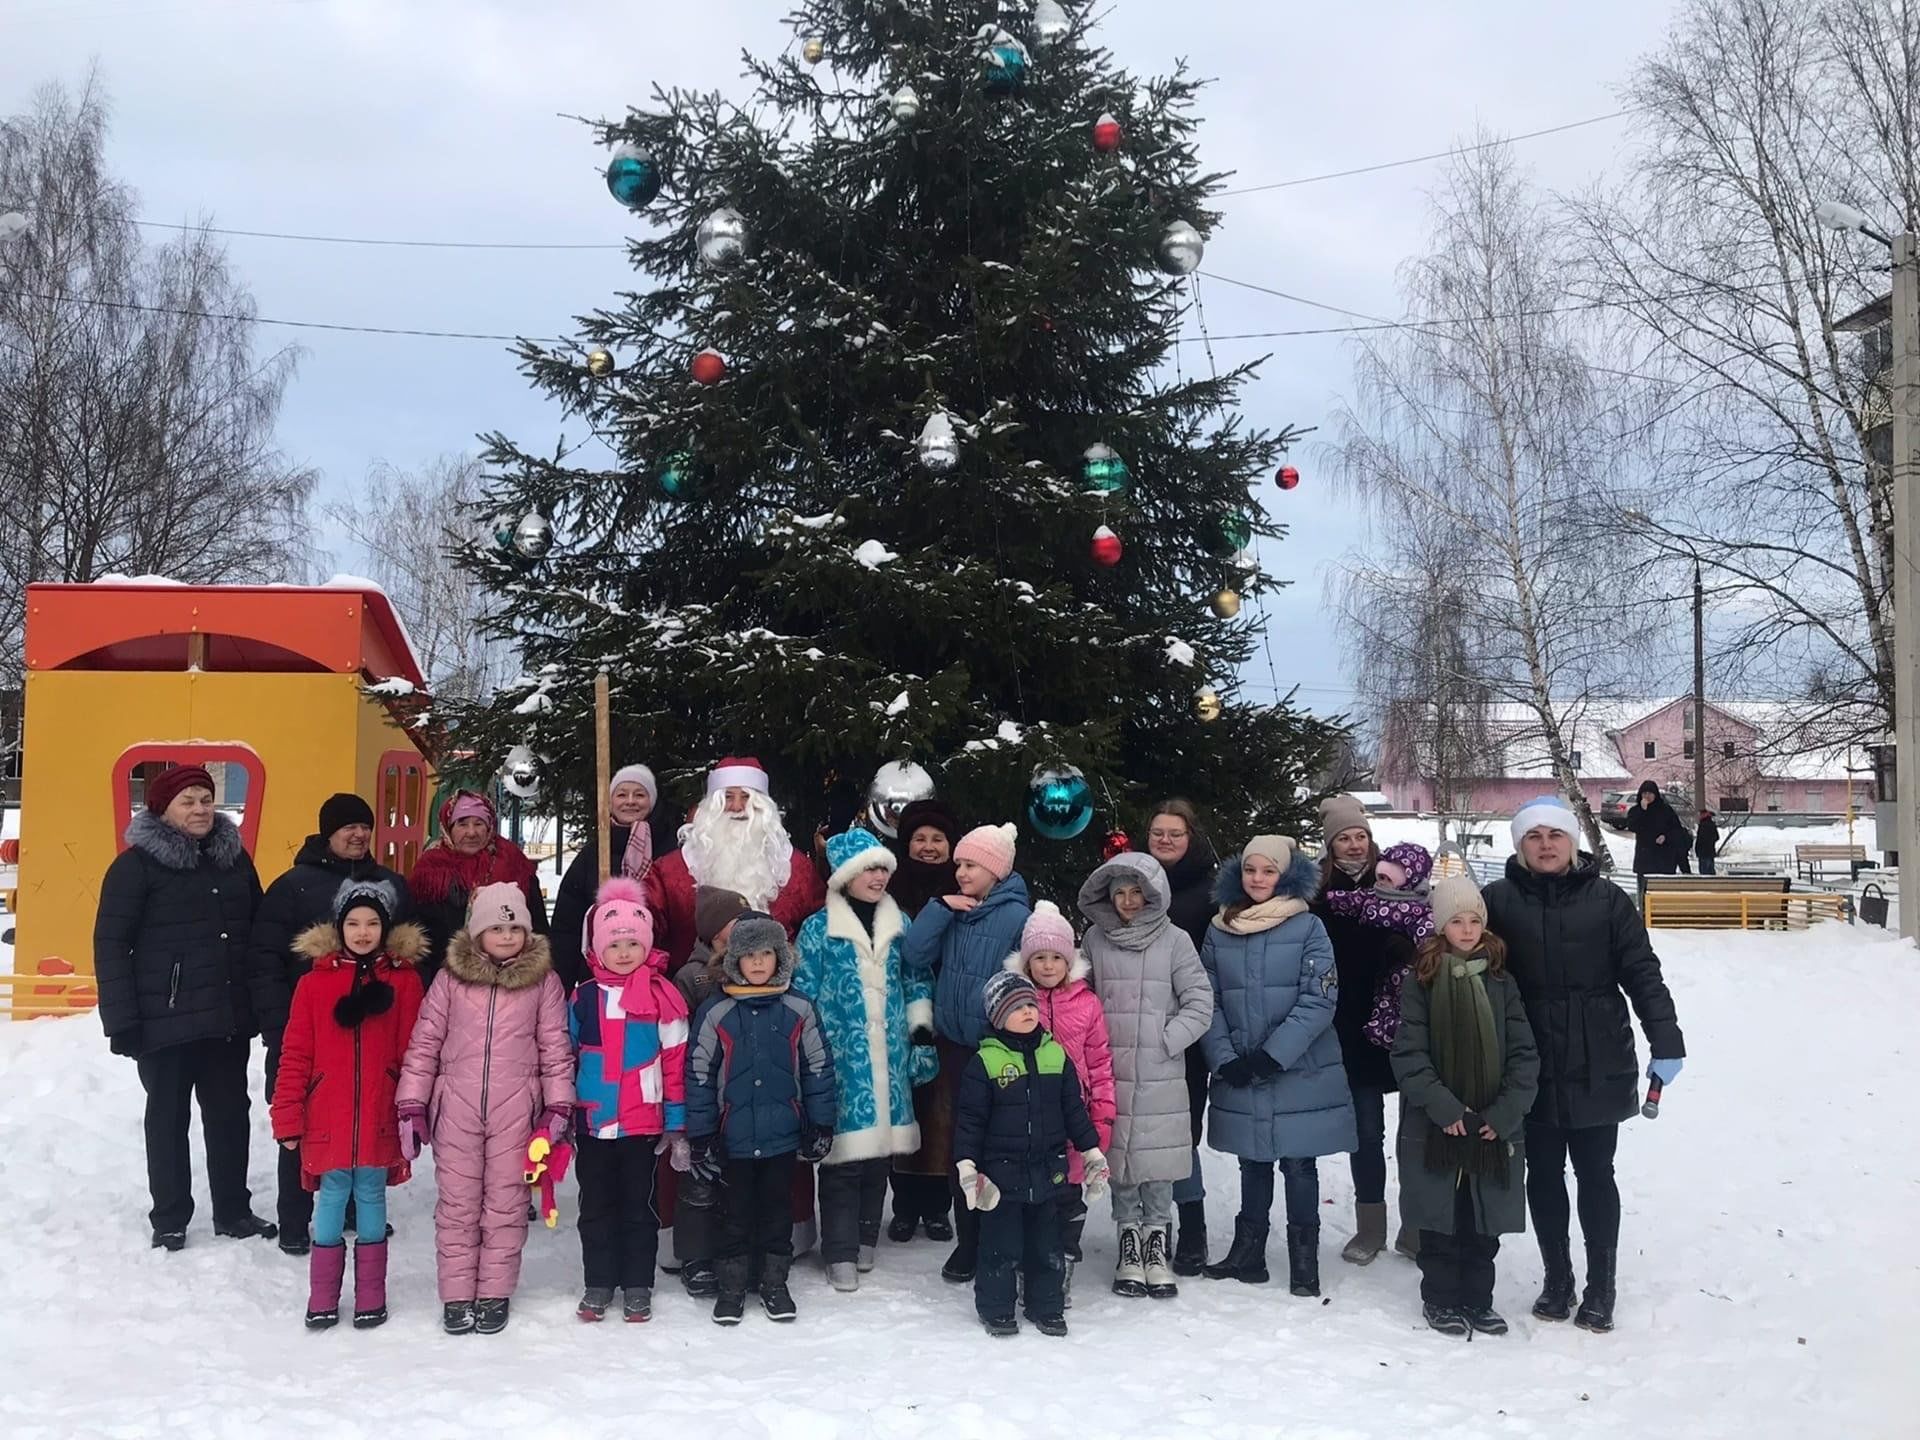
{"points": [[1130, 1275]]}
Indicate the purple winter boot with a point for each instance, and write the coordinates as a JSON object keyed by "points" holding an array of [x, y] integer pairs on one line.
{"points": [[326, 1269], [369, 1284]]}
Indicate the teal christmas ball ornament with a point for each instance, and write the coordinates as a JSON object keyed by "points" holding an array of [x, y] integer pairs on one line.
{"points": [[676, 476], [1231, 532], [1003, 62], [1104, 470], [1059, 802], [633, 176]]}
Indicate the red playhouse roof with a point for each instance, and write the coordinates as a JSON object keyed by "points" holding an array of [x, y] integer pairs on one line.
{"points": [[344, 627]]}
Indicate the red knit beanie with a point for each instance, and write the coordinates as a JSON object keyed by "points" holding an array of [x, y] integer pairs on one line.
{"points": [[165, 787]]}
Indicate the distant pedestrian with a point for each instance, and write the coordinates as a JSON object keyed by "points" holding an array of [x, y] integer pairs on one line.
{"points": [[1706, 842]]}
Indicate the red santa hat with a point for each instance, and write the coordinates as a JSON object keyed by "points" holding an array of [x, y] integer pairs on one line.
{"points": [[741, 772]]}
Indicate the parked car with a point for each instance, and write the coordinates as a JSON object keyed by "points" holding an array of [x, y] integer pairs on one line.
{"points": [[1615, 804]]}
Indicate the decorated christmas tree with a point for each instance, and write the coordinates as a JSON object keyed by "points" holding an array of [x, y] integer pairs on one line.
{"points": [[906, 466]]}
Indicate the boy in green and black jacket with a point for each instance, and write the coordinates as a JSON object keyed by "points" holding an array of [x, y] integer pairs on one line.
{"points": [[1019, 1105]]}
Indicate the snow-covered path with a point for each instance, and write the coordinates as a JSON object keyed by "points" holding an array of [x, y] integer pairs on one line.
{"points": [[1769, 1285]]}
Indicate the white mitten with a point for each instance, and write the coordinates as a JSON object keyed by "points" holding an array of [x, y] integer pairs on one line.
{"points": [[1096, 1176], [977, 1190]]}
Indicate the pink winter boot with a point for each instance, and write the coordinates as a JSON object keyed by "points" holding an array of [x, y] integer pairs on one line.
{"points": [[326, 1269], [369, 1284]]}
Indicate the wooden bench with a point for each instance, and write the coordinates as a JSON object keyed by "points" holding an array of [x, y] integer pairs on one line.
{"points": [[1812, 860], [1734, 902]]}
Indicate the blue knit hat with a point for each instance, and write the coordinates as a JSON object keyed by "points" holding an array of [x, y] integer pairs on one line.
{"points": [[853, 853]]}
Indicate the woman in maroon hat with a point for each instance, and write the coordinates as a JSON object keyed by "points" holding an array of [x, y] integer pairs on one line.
{"points": [[471, 852], [170, 958]]}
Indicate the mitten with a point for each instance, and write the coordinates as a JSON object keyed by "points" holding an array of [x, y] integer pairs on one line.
{"points": [[977, 1190], [1665, 1071], [1098, 1173], [1263, 1065], [815, 1143], [706, 1157], [554, 1122], [920, 1035], [679, 1154], [413, 1131], [1237, 1071], [126, 1042]]}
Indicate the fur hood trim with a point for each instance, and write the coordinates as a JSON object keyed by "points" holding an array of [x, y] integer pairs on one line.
{"points": [[407, 943], [1300, 881], [1078, 968], [466, 962], [177, 850]]}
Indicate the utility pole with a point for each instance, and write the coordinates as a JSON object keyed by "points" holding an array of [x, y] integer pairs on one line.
{"points": [[1699, 693], [1904, 387]]}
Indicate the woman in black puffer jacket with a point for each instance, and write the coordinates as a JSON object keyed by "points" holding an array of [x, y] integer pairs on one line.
{"points": [[170, 958], [1175, 838]]}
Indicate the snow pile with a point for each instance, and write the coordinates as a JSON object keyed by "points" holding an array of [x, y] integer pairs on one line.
{"points": [[1767, 1285]]}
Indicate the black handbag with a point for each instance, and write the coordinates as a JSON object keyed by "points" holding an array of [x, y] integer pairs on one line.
{"points": [[1873, 904]]}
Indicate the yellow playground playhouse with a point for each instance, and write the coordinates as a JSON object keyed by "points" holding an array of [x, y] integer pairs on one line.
{"points": [[287, 694]]}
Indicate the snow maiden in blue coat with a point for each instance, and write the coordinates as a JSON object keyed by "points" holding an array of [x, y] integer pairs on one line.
{"points": [[1280, 1093], [869, 1008], [962, 941]]}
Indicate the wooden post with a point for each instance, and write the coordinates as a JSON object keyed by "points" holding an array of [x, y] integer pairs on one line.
{"points": [[603, 770]]}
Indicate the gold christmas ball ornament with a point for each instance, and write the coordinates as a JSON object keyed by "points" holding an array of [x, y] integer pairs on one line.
{"points": [[1206, 705], [599, 363], [814, 50], [1226, 604]]}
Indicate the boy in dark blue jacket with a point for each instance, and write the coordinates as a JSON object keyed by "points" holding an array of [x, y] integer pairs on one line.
{"points": [[759, 1095], [1019, 1106]]}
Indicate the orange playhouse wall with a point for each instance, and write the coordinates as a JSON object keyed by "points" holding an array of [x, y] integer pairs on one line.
{"points": [[314, 734]]}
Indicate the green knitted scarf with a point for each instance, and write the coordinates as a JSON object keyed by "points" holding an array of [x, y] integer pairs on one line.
{"points": [[1466, 1054]]}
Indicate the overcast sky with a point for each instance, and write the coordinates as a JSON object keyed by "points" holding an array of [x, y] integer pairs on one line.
{"points": [[428, 119]]}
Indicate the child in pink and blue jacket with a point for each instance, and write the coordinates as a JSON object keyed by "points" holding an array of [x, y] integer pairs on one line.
{"points": [[628, 1023]]}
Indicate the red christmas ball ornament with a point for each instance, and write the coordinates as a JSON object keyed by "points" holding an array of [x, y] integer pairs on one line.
{"points": [[1107, 134], [709, 367], [1116, 843], [1106, 547], [1288, 478]]}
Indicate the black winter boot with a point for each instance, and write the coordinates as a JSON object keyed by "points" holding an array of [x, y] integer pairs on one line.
{"points": [[490, 1316], [730, 1295], [1190, 1240], [1556, 1291], [774, 1294], [1303, 1259], [1246, 1258], [1596, 1306], [697, 1276], [961, 1264]]}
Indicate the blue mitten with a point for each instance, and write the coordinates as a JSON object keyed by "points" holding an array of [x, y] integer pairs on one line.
{"points": [[1665, 1071]]}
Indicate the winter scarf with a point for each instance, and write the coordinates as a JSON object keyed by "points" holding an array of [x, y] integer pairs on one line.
{"points": [[916, 882], [1353, 869], [639, 855], [1263, 916], [442, 872], [1467, 1060], [645, 992]]}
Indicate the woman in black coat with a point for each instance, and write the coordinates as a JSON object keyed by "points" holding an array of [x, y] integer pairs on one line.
{"points": [[1660, 841], [1175, 838], [170, 958], [1363, 957], [635, 801], [1579, 953]]}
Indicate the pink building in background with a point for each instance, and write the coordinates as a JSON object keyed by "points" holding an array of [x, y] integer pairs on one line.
{"points": [[1755, 760]]}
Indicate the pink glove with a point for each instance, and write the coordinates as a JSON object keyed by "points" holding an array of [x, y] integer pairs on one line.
{"points": [[413, 1131], [555, 1122], [678, 1152]]}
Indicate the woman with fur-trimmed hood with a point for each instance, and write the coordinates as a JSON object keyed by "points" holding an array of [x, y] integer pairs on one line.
{"points": [[1279, 1094], [869, 1008], [489, 1068], [347, 1030]]}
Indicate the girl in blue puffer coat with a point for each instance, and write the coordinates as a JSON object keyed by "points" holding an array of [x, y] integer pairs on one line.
{"points": [[1280, 1093]]}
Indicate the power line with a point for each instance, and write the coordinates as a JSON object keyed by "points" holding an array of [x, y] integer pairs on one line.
{"points": [[1423, 159], [105, 304]]}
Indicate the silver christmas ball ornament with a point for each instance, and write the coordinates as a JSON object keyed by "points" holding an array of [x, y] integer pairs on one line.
{"points": [[906, 105], [1051, 24], [1181, 249], [939, 443], [895, 786], [533, 536], [722, 237], [520, 776]]}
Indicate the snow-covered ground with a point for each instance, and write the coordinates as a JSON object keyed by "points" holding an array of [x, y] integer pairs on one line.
{"points": [[1769, 1285]]}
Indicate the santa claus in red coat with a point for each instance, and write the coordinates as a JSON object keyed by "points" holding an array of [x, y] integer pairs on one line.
{"points": [[736, 841]]}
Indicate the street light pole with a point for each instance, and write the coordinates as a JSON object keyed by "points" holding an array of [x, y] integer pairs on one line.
{"points": [[1904, 385], [1699, 692]]}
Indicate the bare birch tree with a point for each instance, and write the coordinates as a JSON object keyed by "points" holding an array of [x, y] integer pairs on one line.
{"points": [[1728, 290], [1480, 441], [136, 420], [402, 523]]}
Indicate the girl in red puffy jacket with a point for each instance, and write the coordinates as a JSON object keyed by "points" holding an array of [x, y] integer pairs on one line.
{"points": [[333, 1099]]}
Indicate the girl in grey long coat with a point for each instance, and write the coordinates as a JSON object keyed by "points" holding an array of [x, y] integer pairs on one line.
{"points": [[1279, 1094], [1158, 1001]]}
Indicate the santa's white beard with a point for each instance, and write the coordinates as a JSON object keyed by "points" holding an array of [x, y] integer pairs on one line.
{"points": [[748, 854]]}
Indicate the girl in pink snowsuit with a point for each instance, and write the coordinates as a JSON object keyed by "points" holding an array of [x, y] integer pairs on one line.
{"points": [[489, 1067], [1073, 1015]]}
